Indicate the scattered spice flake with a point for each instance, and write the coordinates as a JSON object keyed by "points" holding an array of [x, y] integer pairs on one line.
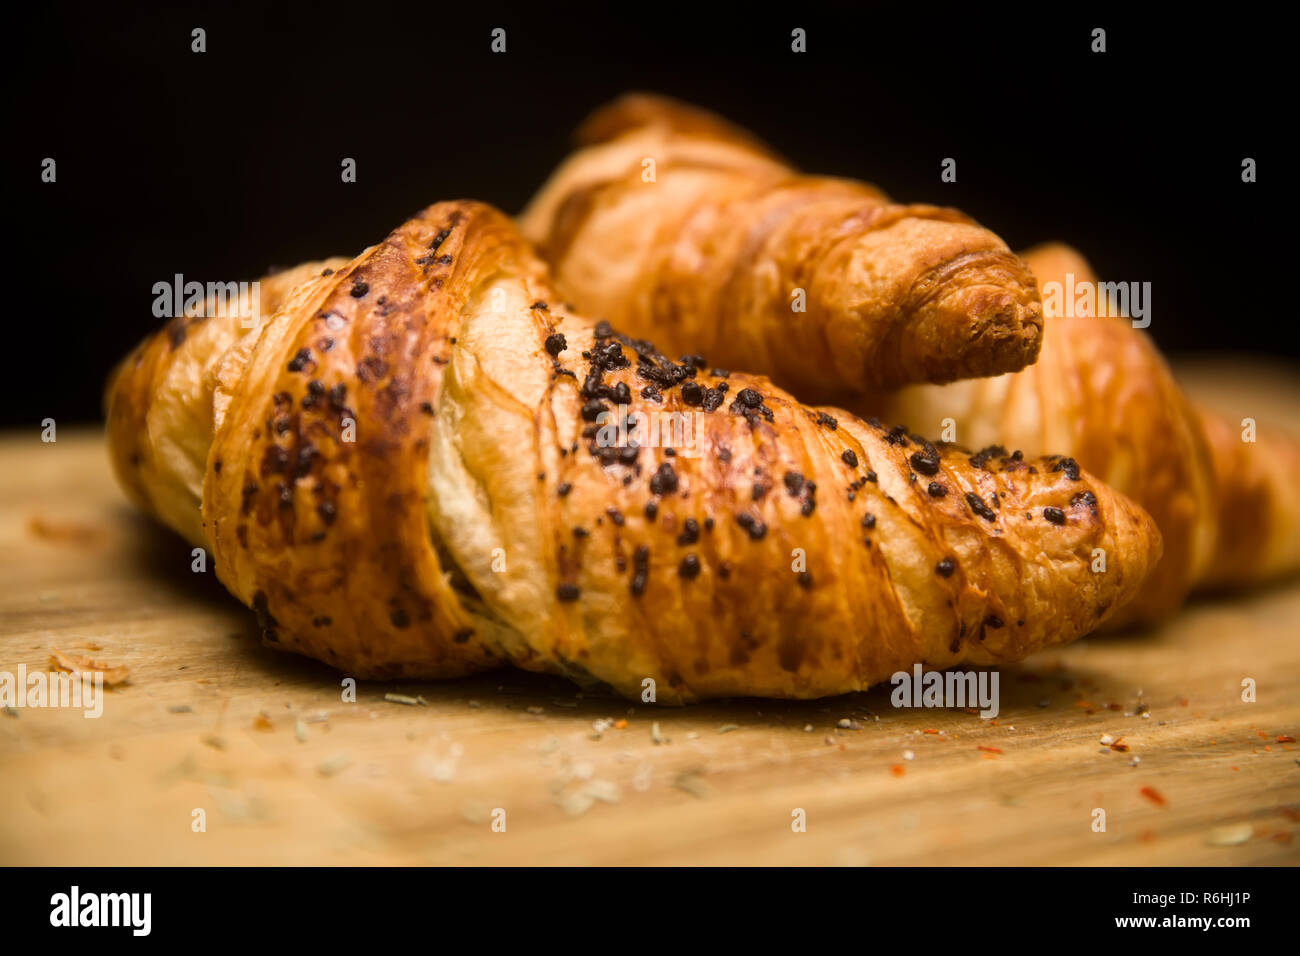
{"points": [[690, 781], [215, 742], [1285, 739], [655, 734], [929, 731], [262, 721], [300, 730], [728, 728], [991, 750], [88, 646], [1154, 795], [898, 770], [620, 724], [73, 664], [64, 532]]}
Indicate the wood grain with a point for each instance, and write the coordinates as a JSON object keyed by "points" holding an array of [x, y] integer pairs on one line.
{"points": [[378, 782]]}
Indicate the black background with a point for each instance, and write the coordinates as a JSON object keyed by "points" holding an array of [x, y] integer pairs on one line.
{"points": [[224, 164]]}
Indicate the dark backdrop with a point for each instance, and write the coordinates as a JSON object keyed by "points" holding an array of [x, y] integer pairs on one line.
{"points": [[221, 165]]}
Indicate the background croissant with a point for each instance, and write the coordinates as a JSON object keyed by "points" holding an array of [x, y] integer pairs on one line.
{"points": [[476, 516], [707, 255]]}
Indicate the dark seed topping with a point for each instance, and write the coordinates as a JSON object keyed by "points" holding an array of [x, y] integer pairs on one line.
{"points": [[651, 510], [359, 289], [567, 592], [749, 398], [690, 567], [936, 490], [615, 516], [850, 457], [827, 421], [1069, 466], [868, 521], [871, 477], [592, 409], [925, 463], [640, 570], [945, 568], [978, 506], [563, 489], [754, 526], [299, 360], [539, 304], [793, 483], [1054, 515], [690, 532], [555, 342], [664, 480], [1085, 498], [993, 621], [981, 457], [692, 394], [805, 579]]}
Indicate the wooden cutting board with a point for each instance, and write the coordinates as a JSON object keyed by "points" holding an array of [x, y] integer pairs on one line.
{"points": [[285, 771]]}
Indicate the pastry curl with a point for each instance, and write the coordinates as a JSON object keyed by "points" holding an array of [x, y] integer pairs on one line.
{"points": [[708, 254]]}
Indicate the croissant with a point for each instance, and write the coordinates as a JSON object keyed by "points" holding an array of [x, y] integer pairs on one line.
{"points": [[673, 224], [1101, 393], [421, 466]]}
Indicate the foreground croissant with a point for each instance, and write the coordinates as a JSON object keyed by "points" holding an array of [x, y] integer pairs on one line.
{"points": [[822, 283], [478, 519]]}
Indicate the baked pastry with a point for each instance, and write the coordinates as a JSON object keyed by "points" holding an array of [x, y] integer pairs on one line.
{"points": [[1101, 393], [487, 509], [822, 283]]}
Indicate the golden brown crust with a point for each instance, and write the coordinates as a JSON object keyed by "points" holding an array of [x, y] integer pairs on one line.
{"points": [[159, 402], [1101, 393], [708, 256], [480, 518], [1258, 515]]}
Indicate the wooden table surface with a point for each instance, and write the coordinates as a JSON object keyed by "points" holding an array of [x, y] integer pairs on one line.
{"points": [[287, 772]]}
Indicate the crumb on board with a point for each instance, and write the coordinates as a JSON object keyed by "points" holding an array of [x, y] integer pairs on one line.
{"points": [[64, 532], [75, 663]]}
